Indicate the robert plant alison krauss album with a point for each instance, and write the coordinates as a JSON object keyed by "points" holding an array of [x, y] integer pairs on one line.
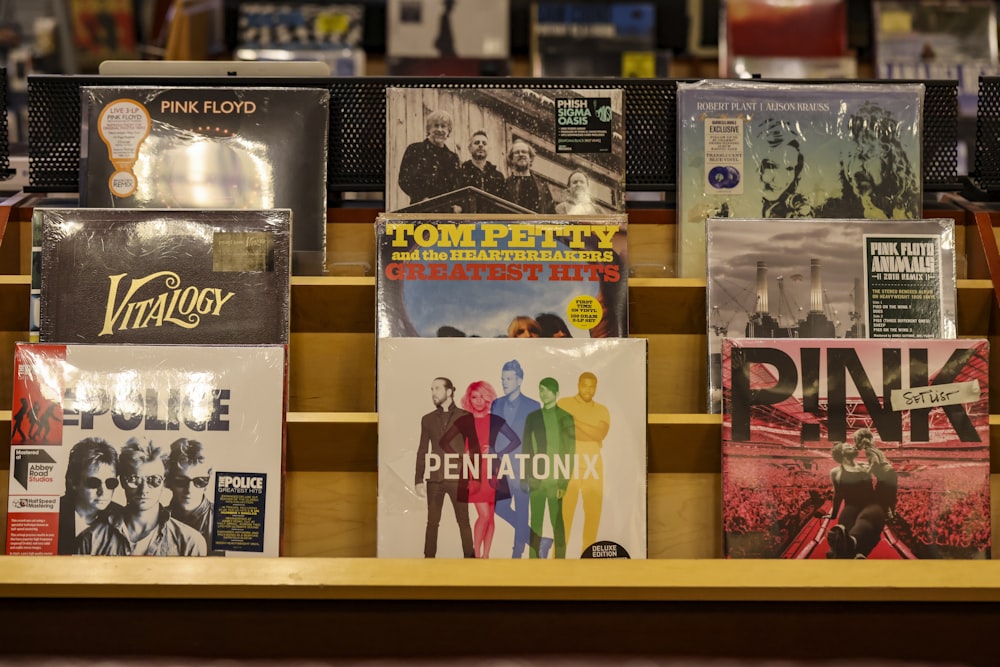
{"points": [[499, 149], [512, 448], [856, 449], [766, 150], [781, 278], [501, 276], [169, 276], [211, 147], [168, 450]]}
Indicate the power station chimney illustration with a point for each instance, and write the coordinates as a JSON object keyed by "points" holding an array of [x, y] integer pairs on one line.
{"points": [[858, 313], [815, 287], [762, 288]]}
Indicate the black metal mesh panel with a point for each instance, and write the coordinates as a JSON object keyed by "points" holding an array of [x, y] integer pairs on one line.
{"points": [[987, 173], [5, 171], [940, 138], [356, 159], [54, 133]]}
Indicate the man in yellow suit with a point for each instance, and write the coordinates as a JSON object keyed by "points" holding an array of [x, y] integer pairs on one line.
{"points": [[592, 424]]}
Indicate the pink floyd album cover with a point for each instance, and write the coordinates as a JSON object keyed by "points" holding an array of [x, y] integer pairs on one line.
{"points": [[793, 278], [208, 148]]}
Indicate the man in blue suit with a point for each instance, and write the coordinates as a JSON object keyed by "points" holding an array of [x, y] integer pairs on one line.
{"points": [[514, 407]]}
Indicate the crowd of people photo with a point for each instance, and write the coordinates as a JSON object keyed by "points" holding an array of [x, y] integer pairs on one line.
{"points": [[770, 503], [431, 167]]}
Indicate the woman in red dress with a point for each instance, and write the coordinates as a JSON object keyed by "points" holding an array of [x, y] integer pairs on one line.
{"points": [[481, 430]]}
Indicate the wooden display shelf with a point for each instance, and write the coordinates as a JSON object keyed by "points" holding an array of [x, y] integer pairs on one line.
{"points": [[402, 579], [330, 499]]}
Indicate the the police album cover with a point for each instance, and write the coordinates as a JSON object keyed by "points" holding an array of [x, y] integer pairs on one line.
{"points": [[495, 149], [774, 278], [135, 450], [791, 150], [164, 276], [501, 276], [512, 449], [207, 148], [856, 449]]}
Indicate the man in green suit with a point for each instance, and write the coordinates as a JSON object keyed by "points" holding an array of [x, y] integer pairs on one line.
{"points": [[550, 440]]}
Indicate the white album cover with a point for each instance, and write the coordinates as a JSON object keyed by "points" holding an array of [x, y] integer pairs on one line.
{"points": [[501, 448]]}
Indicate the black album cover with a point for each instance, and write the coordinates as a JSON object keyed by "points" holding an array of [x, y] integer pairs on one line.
{"points": [[210, 148], [164, 276]]}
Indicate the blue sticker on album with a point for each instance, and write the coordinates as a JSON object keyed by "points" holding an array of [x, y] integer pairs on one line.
{"points": [[724, 178]]}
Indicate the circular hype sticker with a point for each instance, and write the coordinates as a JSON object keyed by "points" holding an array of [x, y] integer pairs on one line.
{"points": [[584, 312], [724, 178], [122, 183]]}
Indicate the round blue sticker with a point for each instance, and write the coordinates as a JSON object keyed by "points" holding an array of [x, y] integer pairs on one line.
{"points": [[723, 178]]}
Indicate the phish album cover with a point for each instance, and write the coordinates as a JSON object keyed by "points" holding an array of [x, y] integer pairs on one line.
{"points": [[164, 276], [548, 151], [512, 449], [856, 449], [134, 450], [827, 279], [501, 276], [211, 148], [762, 150]]}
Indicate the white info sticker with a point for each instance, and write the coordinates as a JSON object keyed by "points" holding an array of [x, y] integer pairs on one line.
{"points": [[954, 393], [723, 156]]}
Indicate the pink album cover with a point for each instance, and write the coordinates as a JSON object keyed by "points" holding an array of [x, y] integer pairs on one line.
{"points": [[844, 449]]}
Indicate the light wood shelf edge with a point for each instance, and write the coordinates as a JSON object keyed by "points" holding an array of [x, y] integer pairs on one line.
{"points": [[325, 417], [331, 281], [695, 419], [369, 281], [399, 579]]}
